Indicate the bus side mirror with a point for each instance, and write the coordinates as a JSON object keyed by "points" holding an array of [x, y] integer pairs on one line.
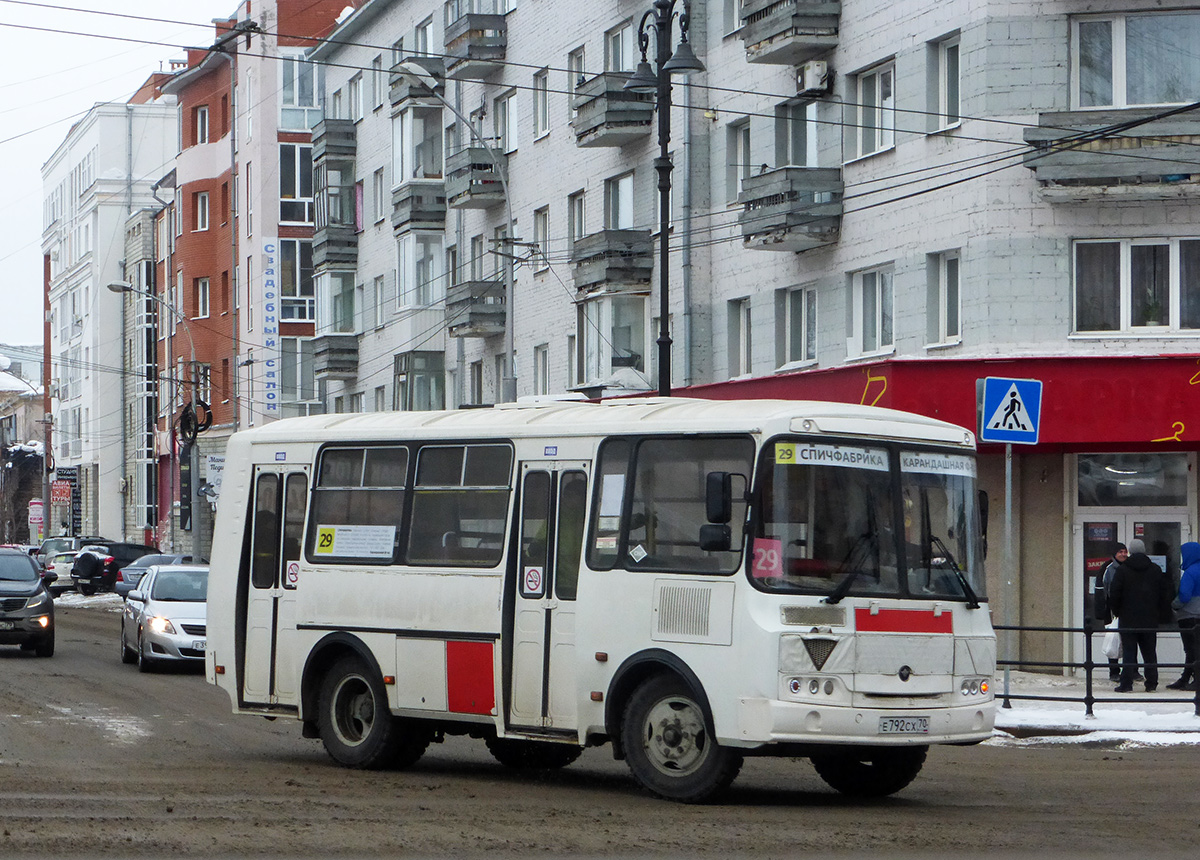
{"points": [[718, 497], [715, 537], [983, 518]]}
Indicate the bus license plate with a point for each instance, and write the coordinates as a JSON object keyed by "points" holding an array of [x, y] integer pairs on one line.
{"points": [[904, 725]]}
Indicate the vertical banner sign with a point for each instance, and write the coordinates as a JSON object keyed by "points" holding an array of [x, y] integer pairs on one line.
{"points": [[185, 488], [72, 521], [37, 520], [270, 327]]}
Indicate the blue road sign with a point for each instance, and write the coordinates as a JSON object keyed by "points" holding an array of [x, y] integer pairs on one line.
{"points": [[1010, 410]]}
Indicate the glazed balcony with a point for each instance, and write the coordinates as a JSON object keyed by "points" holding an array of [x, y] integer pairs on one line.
{"points": [[613, 260], [473, 180], [419, 205], [404, 88], [475, 46], [335, 246], [475, 309], [789, 32], [791, 208], [1077, 158], [608, 115], [335, 356]]}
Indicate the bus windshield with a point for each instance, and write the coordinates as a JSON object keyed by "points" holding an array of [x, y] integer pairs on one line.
{"points": [[827, 523]]}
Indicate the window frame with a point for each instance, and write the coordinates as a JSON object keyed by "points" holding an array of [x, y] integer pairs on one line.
{"points": [[541, 239], [1118, 48], [798, 326], [297, 167], [202, 298], [541, 103], [200, 210], [870, 283], [949, 115], [881, 122], [1174, 325], [945, 294], [200, 123], [619, 194]]}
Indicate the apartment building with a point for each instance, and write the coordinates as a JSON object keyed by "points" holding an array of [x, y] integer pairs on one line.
{"points": [[870, 203]]}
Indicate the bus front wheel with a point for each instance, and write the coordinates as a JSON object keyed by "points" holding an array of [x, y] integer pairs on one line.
{"points": [[355, 724], [668, 746], [871, 772]]}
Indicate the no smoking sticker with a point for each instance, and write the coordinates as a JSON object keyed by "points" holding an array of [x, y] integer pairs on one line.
{"points": [[532, 582], [293, 574]]}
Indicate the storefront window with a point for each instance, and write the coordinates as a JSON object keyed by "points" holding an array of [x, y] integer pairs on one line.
{"points": [[1115, 480]]}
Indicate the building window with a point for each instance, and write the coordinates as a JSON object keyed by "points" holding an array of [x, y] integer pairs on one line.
{"points": [[619, 48], [799, 325], [871, 312], [201, 122], [948, 83], [505, 122], [297, 382], [200, 210], [335, 105], [202, 299], [354, 94], [476, 382], [335, 302], [740, 340], [419, 381], [249, 199], [295, 184], [576, 74], [416, 145], [541, 239], [423, 37], [875, 121], [541, 369], [381, 398], [796, 134], [301, 82], [612, 330], [943, 302], [618, 202], [296, 280], [737, 157], [204, 382], [378, 301], [1137, 284], [576, 226], [379, 197], [377, 82], [1129, 60], [419, 261], [337, 198], [478, 253], [541, 103]]}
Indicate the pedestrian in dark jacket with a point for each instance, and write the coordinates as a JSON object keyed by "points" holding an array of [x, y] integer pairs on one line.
{"points": [[1101, 609], [1187, 612], [1140, 597]]}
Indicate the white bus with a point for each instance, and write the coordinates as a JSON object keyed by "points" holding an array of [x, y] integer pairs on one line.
{"points": [[691, 581]]}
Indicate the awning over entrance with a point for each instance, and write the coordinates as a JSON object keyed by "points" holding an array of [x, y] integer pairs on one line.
{"points": [[1108, 403]]}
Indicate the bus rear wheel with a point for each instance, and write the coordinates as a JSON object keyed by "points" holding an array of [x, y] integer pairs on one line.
{"points": [[356, 725], [532, 755], [868, 772], [668, 746]]}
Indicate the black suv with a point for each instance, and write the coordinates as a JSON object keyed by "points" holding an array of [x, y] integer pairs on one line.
{"points": [[96, 565], [26, 607]]}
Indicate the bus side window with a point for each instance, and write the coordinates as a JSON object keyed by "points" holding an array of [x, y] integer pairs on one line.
{"points": [[295, 496], [266, 531], [572, 502]]}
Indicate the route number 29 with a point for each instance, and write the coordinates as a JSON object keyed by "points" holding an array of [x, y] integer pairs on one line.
{"points": [[768, 557]]}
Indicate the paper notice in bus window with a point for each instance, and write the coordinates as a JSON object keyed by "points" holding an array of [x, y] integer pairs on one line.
{"points": [[846, 456], [933, 463], [355, 541], [612, 495], [768, 558]]}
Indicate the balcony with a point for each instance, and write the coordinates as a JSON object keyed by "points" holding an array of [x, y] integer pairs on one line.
{"points": [[475, 309], [1077, 159], [402, 88], [335, 246], [607, 115], [335, 356], [791, 208], [334, 139], [475, 46], [419, 205], [473, 180], [789, 32], [613, 260]]}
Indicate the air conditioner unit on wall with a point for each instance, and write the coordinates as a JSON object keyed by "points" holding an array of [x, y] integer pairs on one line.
{"points": [[813, 77]]}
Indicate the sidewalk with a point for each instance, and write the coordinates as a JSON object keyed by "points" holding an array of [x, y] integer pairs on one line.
{"points": [[1171, 720]]}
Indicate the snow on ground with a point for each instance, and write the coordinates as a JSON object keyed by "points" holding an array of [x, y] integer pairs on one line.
{"points": [[103, 602]]}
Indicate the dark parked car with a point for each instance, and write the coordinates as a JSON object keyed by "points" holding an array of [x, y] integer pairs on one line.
{"points": [[26, 607], [52, 546], [129, 576], [95, 568]]}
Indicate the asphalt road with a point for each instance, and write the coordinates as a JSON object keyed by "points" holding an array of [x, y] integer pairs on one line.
{"points": [[99, 760]]}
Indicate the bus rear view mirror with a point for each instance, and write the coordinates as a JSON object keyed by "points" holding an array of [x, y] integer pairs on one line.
{"points": [[715, 537], [718, 497]]}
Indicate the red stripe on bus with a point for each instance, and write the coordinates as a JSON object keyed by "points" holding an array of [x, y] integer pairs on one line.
{"points": [[902, 621], [470, 679]]}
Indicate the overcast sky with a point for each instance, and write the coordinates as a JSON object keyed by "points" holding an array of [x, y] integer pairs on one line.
{"points": [[48, 80]]}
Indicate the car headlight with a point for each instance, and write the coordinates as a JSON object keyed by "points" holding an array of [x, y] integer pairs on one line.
{"points": [[161, 625], [38, 600]]}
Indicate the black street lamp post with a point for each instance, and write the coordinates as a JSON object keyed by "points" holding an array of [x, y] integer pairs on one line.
{"points": [[658, 80]]}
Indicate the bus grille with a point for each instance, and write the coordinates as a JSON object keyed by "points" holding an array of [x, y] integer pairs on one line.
{"points": [[813, 616], [819, 650], [684, 611]]}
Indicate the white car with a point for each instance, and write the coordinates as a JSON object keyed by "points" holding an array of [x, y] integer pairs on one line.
{"points": [[164, 618]]}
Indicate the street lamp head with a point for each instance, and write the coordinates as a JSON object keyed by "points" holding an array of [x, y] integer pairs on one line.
{"points": [[120, 287], [643, 81], [683, 61]]}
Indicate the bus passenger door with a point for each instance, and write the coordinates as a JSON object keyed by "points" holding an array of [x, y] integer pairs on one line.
{"points": [[277, 527], [542, 687]]}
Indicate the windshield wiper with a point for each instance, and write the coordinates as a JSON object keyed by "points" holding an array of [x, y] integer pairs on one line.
{"points": [[870, 535], [972, 599]]}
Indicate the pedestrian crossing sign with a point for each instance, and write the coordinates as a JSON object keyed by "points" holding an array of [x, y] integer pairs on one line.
{"points": [[1010, 410]]}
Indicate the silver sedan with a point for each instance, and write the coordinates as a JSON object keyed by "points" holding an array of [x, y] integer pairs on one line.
{"points": [[164, 618]]}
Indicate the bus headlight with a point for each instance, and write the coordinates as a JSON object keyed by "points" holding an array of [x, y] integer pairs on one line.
{"points": [[975, 687]]}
